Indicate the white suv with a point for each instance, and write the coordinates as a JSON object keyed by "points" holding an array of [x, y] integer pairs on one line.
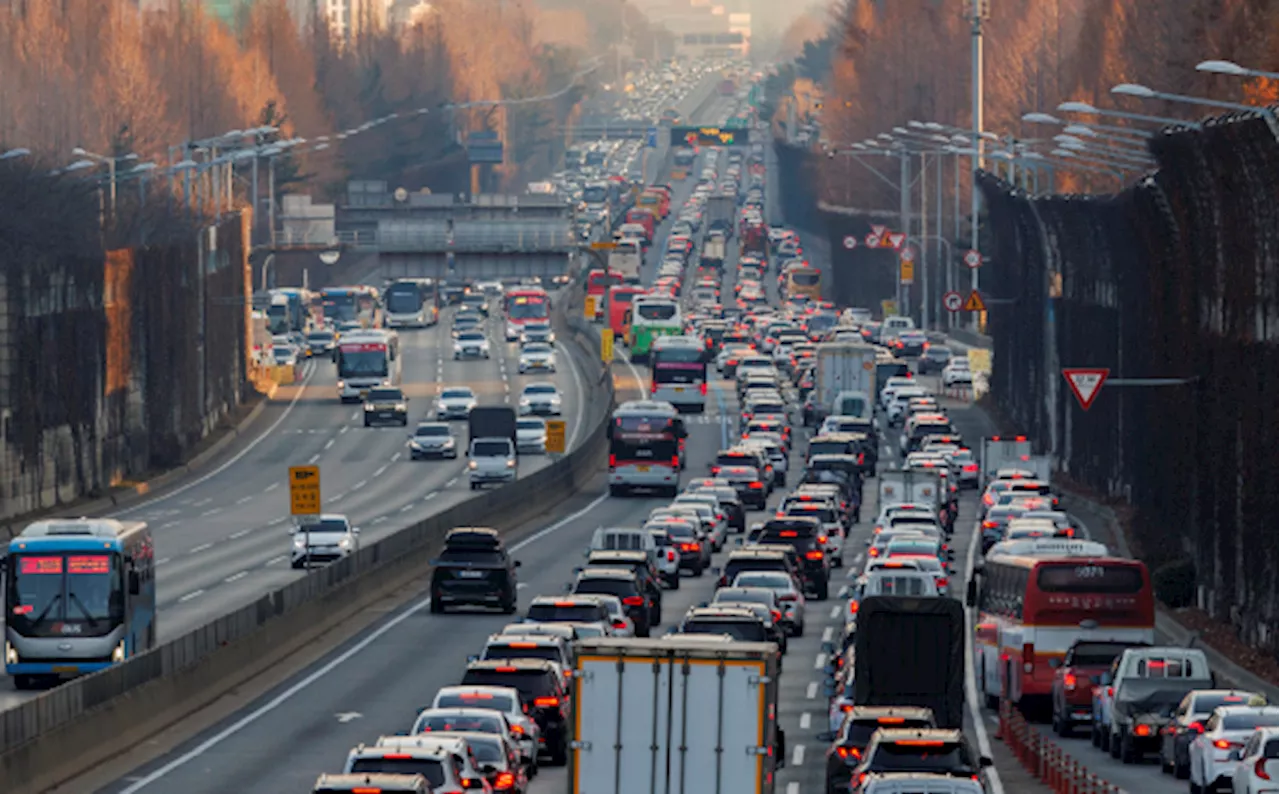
{"points": [[492, 460], [325, 539]]}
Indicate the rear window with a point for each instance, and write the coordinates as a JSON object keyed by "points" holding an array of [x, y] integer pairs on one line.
{"points": [[746, 631], [458, 722], [900, 585], [477, 556], [476, 700], [656, 311], [1066, 578], [1100, 655], [1247, 722], [578, 613], [921, 756], [1273, 748], [622, 541], [613, 587], [531, 683], [829, 448], [527, 651], [431, 769], [858, 732], [732, 570]]}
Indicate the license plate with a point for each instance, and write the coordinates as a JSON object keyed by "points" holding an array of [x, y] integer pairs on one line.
{"points": [[679, 390], [364, 393], [471, 574], [642, 468], [66, 668]]}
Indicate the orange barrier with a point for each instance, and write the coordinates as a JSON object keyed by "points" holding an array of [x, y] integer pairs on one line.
{"points": [[1045, 759]]}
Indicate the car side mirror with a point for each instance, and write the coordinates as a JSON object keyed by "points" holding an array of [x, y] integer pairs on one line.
{"points": [[985, 762], [568, 587], [473, 658], [578, 569], [516, 564]]}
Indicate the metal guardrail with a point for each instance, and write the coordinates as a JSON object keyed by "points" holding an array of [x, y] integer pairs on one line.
{"points": [[293, 238], [475, 236]]}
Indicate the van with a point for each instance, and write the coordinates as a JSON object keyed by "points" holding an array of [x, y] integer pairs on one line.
{"points": [[623, 539]]}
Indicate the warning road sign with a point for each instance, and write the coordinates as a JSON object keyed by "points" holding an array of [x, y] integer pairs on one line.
{"points": [[879, 231], [973, 258], [954, 301], [906, 272], [974, 303], [1086, 383], [304, 490], [850, 242], [896, 239]]}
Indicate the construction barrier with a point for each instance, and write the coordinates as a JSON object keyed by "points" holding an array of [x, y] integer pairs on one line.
{"points": [[1045, 759]]}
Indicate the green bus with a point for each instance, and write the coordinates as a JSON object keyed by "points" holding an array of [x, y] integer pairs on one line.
{"points": [[652, 316]]}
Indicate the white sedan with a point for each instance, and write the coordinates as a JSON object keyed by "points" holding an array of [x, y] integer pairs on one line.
{"points": [[541, 399], [1214, 753], [537, 357], [470, 344], [956, 372]]}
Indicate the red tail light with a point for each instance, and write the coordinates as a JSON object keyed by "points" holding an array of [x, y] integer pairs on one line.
{"points": [[849, 752], [813, 555], [1223, 744], [788, 597], [873, 552], [941, 582], [1142, 730], [703, 388], [504, 782], [633, 601], [846, 707], [989, 525], [862, 458], [1196, 727], [715, 470], [776, 615], [397, 756], [653, 388], [613, 462], [822, 539], [970, 467], [619, 624], [1069, 681], [671, 555], [1260, 769], [756, 486], [675, 461], [1111, 692], [546, 702], [853, 607]]}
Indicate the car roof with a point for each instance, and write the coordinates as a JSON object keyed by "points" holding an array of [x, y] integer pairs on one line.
{"points": [[607, 573], [520, 664], [473, 537]]}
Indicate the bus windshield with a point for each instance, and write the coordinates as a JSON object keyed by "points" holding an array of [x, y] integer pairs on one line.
{"points": [[655, 312], [804, 278], [528, 307], [598, 281], [595, 194], [340, 307], [64, 594], [368, 360]]}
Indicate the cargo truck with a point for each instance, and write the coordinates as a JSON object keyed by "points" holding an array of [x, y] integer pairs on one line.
{"points": [[911, 486], [712, 251], [1010, 452], [910, 652], [626, 259], [677, 715], [491, 421], [720, 212], [844, 369]]}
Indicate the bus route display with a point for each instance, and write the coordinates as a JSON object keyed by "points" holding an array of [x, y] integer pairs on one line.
{"points": [[709, 136]]}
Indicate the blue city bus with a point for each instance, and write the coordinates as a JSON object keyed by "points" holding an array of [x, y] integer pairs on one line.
{"points": [[79, 596]]}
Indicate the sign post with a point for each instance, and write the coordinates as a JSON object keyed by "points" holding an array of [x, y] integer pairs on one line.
{"points": [[1086, 383], [555, 436], [606, 345]]}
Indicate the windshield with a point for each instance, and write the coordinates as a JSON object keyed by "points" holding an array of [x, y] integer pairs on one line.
{"points": [[613, 587], [531, 424], [484, 449], [425, 431], [1093, 654], [456, 394], [746, 631], [71, 594], [921, 756], [829, 448], [595, 194], [429, 768], [656, 311], [804, 278], [362, 360], [857, 733], [320, 336], [341, 308], [539, 348], [540, 389], [404, 298], [528, 307]]}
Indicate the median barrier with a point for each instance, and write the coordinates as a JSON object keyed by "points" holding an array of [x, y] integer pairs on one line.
{"points": [[1045, 758], [113, 711]]}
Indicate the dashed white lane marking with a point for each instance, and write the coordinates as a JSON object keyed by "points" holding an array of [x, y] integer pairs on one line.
{"points": [[314, 458], [835, 611], [244, 500], [451, 482], [820, 662], [797, 755], [328, 443], [240, 534], [191, 595], [359, 485], [395, 457], [162, 562], [379, 472], [277, 560], [811, 691], [826, 634], [271, 487], [344, 429], [793, 788], [338, 497], [355, 416], [202, 502], [406, 508], [378, 520], [235, 576], [806, 719], [430, 496], [211, 512], [202, 547], [275, 521]]}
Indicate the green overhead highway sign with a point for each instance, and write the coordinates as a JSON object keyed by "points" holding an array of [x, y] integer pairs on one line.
{"points": [[709, 136]]}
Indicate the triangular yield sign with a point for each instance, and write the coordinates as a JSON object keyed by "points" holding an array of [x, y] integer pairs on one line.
{"points": [[879, 231], [974, 303], [896, 239], [1086, 384]]}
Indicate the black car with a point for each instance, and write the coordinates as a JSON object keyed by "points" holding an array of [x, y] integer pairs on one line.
{"points": [[802, 533], [939, 752], [542, 691], [933, 359], [735, 513], [474, 569], [850, 742], [623, 583], [386, 404], [748, 559], [639, 563]]}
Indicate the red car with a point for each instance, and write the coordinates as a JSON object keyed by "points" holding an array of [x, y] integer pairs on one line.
{"points": [[1074, 678]]}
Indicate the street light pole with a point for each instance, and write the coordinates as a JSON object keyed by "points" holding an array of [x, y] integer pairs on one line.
{"points": [[904, 221], [980, 9], [924, 232]]}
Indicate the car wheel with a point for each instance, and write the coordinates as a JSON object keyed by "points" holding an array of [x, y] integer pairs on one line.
{"points": [[296, 564], [823, 591], [24, 682], [1181, 771], [1113, 745], [366, 422], [674, 581], [437, 607], [560, 752]]}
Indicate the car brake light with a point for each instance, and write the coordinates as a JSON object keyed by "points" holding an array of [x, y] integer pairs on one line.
{"points": [[873, 552], [941, 581], [919, 743], [776, 615], [397, 757], [505, 781], [546, 702], [846, 752], [853, 607], [483, 695], [1196, 726], [653, 388], [671, 555], [971, 467], [675, 461], [619, 624], [756, 486], [366, 790], [989, 525], [514, 645], [703, 388], [519, 729], [788, 533], [822, 539], [506, 669], [1069, 681], [1223, 744], [1260, 769], [813, 555], [1111, 691], [613, 462], [846, 707], [633, 601]]}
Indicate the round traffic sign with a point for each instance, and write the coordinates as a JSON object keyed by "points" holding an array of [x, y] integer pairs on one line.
{"points": [[872, 240], [850, 242], [973, 258], [953, 301], [907, 254]]}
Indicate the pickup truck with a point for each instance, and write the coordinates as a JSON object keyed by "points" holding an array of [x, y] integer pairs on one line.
{"points": [[1074, 678], [1135, 698]]}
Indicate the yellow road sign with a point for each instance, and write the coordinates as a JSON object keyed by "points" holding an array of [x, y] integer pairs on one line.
{"points": [[304, 490], [974, 303], [589, 307], [606, 345], [980, 360], [906, 272], [888, 308], [603, 245], [555, 436]]}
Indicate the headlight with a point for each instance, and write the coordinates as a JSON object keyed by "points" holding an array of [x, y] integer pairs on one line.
{"points": [[299, 542], [10, 654], [341, 384], [368, 406], [117, 655], [345, 543], [415, 445], [401, 407], [511, 464], [448, 444], [471, 464]]}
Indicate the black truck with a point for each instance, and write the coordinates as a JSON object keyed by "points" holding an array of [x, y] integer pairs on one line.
{"points": [[491, 421], [910, 652]]}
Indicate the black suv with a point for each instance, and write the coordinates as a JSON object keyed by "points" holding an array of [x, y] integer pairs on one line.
{"points": [[386, 404], [741, 624], [642, 565], [850, 742], [802, 533], [752, 560], [922, 750], [623, 583], [474, 569], [542, 691]]}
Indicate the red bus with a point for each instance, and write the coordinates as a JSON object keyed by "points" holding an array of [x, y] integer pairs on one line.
{"points": [[525, 305], [619, 307], [598, 283], [1032, 608]]}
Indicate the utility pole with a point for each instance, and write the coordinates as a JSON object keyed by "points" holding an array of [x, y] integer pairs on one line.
{"points": [[978, 11], [904, 223], [924, 233]]}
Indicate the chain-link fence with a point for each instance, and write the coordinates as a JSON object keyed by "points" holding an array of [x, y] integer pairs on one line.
{"points": [[1172, 285], [122, 333]]}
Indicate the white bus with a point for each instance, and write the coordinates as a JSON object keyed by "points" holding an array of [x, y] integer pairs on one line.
{"points": [[679, 376], [366, 359]]}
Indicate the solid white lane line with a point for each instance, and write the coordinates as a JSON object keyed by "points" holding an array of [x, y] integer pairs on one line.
{"points": [[288, 694], [191, 595], [310, 370]]}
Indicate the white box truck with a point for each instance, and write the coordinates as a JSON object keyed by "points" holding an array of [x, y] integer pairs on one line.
{"points": [[1010, 452], [911, 486], [678, 715], [844, 367], [627, 260]]}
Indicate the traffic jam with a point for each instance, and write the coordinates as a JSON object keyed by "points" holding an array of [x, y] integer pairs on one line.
{"points": [[848, 564]]}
